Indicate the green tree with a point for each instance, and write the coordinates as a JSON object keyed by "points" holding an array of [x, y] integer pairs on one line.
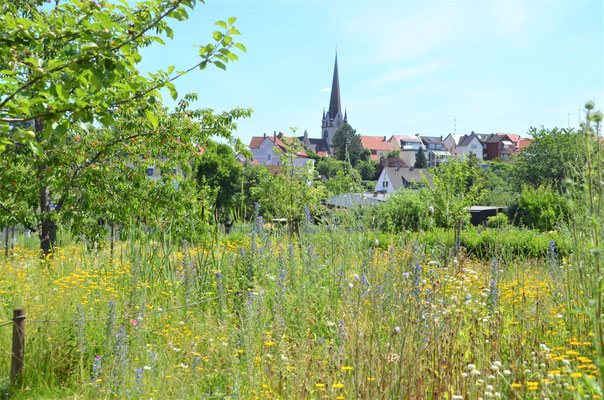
{"points": [[97, 175], [344, 182], [552, 156], [367, 170], [329, 167], [452, 196], [77, 62], [291, 189], [420, 159], [347, 145], [221, 172]]}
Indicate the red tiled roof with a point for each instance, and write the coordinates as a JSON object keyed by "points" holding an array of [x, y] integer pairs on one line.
{"points": [[257, 141], [374, 142]]}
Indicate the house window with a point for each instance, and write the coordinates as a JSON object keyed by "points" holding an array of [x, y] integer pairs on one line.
{"points": [[473, 146], [149, 171], [268, 157], [385, 184]]}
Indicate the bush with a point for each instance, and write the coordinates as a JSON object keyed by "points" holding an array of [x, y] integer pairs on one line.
{"points": [[404, 210], [504, 244], [497, 221], [541, 208]]}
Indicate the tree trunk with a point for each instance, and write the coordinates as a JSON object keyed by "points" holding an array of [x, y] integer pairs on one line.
{"points": [[48, 228]]}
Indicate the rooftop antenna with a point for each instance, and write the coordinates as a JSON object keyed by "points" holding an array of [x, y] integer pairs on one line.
{"points": [[455, 125], [568, 120]]}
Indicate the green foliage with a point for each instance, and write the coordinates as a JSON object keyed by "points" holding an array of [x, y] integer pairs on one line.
{"points": [[498, 221], [452, 195], [101, 175], [221, 172], [404, 210], [329, 167], [290, 190], [367, 169], [586, 223], [344, 182], [347, 145], [253, 176], [420, 159], [502, 244], [75, 63], [499, 188], [552, 156], [541, 208]]}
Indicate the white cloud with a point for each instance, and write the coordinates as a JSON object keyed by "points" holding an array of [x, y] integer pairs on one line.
{"points": [[324, 90]]}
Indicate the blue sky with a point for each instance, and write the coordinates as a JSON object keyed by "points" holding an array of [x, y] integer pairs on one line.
{"points": [[406, 67]]}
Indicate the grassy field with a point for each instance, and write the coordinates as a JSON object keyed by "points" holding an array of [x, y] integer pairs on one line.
{"points": [[330, 314]]}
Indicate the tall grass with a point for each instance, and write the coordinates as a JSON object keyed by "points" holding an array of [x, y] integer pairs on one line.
{"points": [[329, 314]]}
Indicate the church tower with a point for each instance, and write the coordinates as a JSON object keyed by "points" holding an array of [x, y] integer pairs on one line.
{"points": [[334, 118]]}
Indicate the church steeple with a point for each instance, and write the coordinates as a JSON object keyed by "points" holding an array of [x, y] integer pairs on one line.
{"points": [[334, 118], [335, 105]]}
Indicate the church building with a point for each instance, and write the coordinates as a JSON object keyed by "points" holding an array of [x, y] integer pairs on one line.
{"points": [[334, 118]]}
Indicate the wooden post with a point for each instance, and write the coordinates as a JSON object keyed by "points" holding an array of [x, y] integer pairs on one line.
{"points": [[18, 351]]}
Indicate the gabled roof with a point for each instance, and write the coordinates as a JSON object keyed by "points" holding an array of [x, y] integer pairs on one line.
{"points": [[277, 140], [455, 136], [374, 143], [406, 138], [498, 138], [514, 137], [467, 139], [409, 174], [483, 137], [432, 139]]}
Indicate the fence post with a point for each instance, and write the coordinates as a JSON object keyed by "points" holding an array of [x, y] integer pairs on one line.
{"points": [[18, 351]]}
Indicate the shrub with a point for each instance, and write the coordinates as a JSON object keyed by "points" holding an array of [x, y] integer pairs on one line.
{"points": [[404, 210], [497, 221], [541, 208]]}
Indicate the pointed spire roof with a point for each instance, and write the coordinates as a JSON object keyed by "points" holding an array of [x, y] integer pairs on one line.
{"points": [[335, 105]]}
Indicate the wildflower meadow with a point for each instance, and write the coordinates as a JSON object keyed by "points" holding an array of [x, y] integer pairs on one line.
{"points": [[330, 313]]}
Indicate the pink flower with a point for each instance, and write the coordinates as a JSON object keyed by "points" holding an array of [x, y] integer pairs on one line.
{"points": [[134, 322]]}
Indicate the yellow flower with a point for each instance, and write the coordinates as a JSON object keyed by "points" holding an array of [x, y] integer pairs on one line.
{"points": [[576, 375], [338, 385], [269, 344], [347, 368]]}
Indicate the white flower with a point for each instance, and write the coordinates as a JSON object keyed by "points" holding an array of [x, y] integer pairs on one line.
{"points": [[147, 367], [507, 372], [489, 388], [350, 285], [397, 329], [456, 397]]}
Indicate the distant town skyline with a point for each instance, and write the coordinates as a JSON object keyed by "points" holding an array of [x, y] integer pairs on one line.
{"points": [[406, 67]]}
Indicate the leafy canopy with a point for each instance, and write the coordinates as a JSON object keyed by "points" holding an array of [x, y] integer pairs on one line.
{"points": [[75, 63]]}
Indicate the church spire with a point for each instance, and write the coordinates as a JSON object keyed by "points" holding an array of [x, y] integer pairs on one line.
{"points": [[335, 106]]}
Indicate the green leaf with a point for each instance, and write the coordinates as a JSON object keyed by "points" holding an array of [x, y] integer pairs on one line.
{"points": [[105, 20], [173, 92], [221, 24], [240, 47], [220, 65], [232, 20], [61, 92], [152, 118]]}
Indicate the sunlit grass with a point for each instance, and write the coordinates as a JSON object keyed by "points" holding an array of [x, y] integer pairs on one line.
{"points": [[327, 315]]}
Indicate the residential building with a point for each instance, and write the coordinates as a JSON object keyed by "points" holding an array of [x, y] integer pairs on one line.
{"points": [[500, 146], [466, 144], [435, 150], [394, 178], [266, 149], [377, 145], [407, 146]]}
